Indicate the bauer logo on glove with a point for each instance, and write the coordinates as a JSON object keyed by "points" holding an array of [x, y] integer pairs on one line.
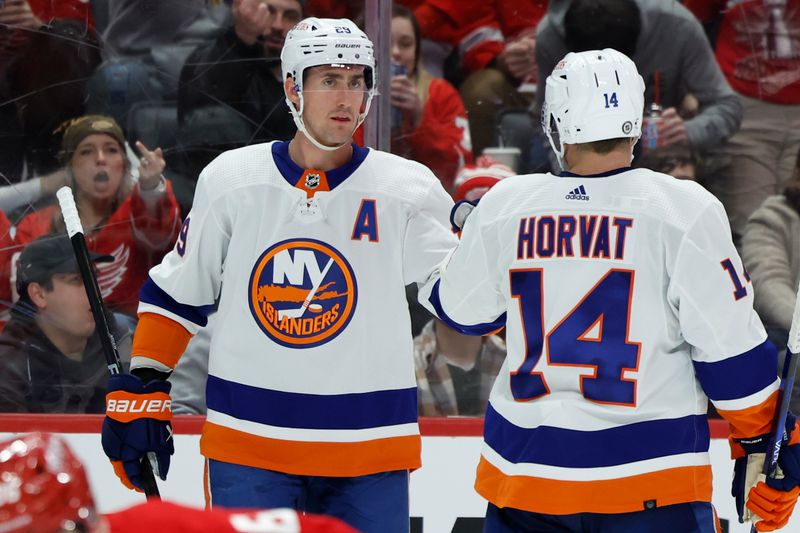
{"points": [[124, 408], [137, 425]]}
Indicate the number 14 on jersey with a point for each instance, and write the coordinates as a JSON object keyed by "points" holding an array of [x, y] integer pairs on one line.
{"points": [[594, 335]]}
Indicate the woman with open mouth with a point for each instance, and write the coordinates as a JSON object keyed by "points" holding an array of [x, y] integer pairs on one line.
{"points": [[135, 221]]}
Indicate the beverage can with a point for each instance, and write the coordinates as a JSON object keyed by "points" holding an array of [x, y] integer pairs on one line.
{"points": [[650, 138]]}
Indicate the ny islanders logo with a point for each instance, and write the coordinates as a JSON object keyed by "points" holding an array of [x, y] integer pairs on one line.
{"points": [[302, 293]]}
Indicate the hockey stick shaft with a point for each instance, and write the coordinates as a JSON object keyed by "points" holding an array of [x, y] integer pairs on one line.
{"points": [[75, 232], [787, 384], [315, 288]]}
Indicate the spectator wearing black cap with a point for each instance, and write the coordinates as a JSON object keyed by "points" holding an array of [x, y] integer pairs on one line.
{"points": [[51, 360]]}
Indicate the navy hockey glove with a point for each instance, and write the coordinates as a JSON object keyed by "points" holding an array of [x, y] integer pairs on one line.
{"points": [[460, 212], [137, 424], [767, 502]]}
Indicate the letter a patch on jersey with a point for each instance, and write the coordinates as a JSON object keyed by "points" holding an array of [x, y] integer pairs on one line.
{"points": [[366, 221], [302, 293]]}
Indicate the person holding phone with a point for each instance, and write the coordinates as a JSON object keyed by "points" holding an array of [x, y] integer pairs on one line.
{"points": [[431, 125]]}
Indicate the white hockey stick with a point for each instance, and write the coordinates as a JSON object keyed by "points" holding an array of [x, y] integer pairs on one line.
{"points": [[297, 313], [787, 383]]}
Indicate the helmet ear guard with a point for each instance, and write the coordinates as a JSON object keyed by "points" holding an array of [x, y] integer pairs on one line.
{"points": [[592, 96], [314, 42]]}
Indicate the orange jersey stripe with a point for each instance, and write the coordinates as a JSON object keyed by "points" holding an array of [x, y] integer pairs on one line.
{"points": [[160, 338], [753, 421], [621, 495], [341, 459]]}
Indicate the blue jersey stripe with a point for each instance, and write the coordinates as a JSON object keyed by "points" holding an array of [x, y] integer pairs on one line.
{"points": [[477, 329], [739, 376], [593, 449], [155, 295], [312, 411]]}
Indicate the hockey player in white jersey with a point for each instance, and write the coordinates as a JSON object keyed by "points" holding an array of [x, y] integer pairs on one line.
{"points": [[627, 308], [307, 246]]}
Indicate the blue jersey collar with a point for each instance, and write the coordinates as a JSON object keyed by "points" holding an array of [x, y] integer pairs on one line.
{"points": [[292, 172], [565, 174]]}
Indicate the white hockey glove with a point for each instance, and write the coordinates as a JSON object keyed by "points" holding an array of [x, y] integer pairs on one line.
{"points": [[460, 212]]}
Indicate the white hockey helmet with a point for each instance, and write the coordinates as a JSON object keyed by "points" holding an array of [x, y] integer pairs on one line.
{"points": [[314, 42], [592, 96]]}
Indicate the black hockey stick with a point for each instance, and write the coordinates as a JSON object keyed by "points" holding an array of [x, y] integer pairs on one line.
{"points": [[787, 383], [75, 231]]}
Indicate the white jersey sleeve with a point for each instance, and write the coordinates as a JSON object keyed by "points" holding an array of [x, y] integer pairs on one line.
{"points": [[713, 298], [426, 238], [470, 291], [185, 286]]}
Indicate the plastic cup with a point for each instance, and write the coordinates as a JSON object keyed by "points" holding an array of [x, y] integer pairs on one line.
{"points": [[508, 155]]}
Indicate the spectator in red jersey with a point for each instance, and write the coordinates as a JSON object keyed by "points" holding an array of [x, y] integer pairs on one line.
{"points": [[335, 9], [48, 51], [45, 489], [492, 46], [136, 222], [429, 121], [758, 50], [23, 17]]}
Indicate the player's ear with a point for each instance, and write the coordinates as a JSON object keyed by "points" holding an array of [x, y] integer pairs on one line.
{"points": [[291, 90]]}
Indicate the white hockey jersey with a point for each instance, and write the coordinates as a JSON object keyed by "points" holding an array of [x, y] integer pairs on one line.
{"points": [[626, 307], [311, 369]]}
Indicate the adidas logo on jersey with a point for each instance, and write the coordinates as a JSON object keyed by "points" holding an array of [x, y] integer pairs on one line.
{"points": [[578, 193]]}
